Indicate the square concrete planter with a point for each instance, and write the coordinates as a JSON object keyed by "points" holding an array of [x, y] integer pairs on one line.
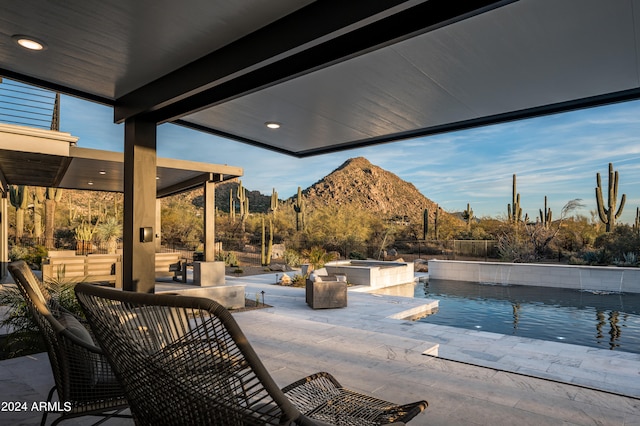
{"points": [[207, 274], [326, 294]]}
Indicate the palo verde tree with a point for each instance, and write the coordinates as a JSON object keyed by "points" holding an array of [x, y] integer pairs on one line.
{"points": [[608, 215]]}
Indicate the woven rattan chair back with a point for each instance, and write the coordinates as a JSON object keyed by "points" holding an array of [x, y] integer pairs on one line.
{"points": [[183, 360], [83, 379]]}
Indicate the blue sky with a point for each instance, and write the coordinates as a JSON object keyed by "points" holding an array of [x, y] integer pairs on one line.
{"points": [[557, 156]]}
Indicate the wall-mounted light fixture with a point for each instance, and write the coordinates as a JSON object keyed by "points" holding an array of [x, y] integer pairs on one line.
{"points": [[146, 234]]}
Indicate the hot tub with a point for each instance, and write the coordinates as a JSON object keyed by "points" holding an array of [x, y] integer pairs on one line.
{"points": [[372, 273]]}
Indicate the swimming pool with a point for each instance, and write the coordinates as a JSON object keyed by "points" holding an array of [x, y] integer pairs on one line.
{"points": [[601, 320]]}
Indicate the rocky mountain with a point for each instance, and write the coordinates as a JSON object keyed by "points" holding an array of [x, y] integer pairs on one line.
{"points": [[356, 182], [367, 186]]}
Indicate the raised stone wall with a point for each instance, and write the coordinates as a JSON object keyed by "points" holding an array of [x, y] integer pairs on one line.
{"points": [[596, 278], [372, 273]]}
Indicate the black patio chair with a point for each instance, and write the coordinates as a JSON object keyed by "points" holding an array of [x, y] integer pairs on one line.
{"points": [[184, 360], [83, 379]]}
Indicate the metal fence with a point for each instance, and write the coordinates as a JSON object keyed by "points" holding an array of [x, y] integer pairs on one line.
{"points": [[248, 252]]}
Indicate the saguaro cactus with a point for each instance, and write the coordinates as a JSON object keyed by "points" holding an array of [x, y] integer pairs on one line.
{"points": [[435, 223], [19, 198], [468, 216], [545, 215], [232, 206], [274, 201], [38, 199], [608, 215], [514, 212], [299, 209], [243, 200], [51, 199], [636, 223], [425, 224], [265, 254]]}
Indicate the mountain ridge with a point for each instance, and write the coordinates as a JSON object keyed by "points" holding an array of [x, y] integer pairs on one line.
{"points": [[356, 182], [359, 182]]}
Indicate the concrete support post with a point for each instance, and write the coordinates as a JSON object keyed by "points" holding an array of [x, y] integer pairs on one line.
{"points": [[209, 221], [138, 263], [158, 229], [4, 234]]}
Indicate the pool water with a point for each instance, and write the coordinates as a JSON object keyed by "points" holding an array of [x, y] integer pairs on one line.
{"points": [[600, 320]]}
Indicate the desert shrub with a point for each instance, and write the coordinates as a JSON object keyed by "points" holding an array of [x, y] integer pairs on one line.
{"points": [[356, 255], [511, 248], [298, 280], [575, 260], [291, 258], [596, 257], [231, 259], [32, 255], [318, 256], [628, 259], [18, 253], [620, 241]]}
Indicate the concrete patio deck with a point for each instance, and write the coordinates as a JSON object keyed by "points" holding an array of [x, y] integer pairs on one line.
{"points": [[478, 378]]}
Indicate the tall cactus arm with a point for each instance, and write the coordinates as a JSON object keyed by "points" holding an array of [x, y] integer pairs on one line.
{"points": [[622, 201], [602, 211]]}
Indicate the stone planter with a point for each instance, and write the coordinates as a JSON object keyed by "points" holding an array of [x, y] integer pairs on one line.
{"points": [[326, 294]]}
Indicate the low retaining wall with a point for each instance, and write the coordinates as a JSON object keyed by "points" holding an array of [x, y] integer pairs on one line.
{"points": [[229, 296], [579, 277]]}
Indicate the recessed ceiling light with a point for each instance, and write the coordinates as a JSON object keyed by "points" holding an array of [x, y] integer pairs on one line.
{"points": [[90, 183], [102, 172], [272, 125], [29, 43]]}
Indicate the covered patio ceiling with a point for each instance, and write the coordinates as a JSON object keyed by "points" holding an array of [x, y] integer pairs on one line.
{"points": [[48, 158], [334, 74]]}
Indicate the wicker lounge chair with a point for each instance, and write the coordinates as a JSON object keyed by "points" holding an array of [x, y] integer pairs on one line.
{"points": [[184, 360], [83, 378]]}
